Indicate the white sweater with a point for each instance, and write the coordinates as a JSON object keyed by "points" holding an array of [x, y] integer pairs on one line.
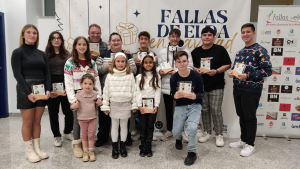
{"points": [[148, 91], [119, 87]]}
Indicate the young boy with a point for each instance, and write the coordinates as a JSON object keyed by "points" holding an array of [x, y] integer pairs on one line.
{"points": [[188, 104]]}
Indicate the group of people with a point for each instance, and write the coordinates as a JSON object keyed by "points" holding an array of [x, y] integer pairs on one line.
{"points": [[116, 83]]}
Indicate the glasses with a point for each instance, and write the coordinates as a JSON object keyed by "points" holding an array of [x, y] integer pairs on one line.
{"points": [[175, 37], [95, 33], [58, 38], [181, 62]]}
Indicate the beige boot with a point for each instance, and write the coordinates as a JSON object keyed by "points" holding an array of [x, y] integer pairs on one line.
{"points": [[30, 155], [85, 157], [39, 152], [92, 155], [77, 148]]}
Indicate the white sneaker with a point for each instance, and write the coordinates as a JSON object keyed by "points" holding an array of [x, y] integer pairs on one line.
{"points": [[204, 138], [219, 141], [133, 132], [57, 141], [166, 136], [69, 136], [247, 150], [184, 137], [154, 138], [238, 144]]}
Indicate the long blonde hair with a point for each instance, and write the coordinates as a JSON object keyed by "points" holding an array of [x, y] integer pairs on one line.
{"points": [[111, 68], [22, 40]]}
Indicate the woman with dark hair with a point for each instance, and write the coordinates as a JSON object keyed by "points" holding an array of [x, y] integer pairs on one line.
{"points": [[30, 68], [57, 56]]}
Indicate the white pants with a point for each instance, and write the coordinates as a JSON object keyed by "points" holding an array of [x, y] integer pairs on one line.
{"points": [[115, 127]]}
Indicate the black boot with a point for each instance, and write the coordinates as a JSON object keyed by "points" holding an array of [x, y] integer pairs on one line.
{"points": [[142, 148], [115, 151], [149, 148], [123, 149], [190, 159], [178, 144]]}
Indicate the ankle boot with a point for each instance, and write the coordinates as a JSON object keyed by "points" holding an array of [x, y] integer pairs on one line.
{"points": [[77, 148], [115, 152], [149, 148], [190, 159], [142, 148], [92, 155], [31, 155], [85, 156], [123, 149], [39, 152]]}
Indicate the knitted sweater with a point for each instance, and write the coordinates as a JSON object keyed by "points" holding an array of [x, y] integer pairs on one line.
{"points": [[73, 75], [119, 87], [148, 91], [258, 66], [87, 109]]}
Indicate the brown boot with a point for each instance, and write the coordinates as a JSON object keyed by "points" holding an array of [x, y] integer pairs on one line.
{"points": [[85, 157], [77, 148], [92, 155]]}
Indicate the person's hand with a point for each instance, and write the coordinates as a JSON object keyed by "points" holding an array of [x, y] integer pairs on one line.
{"points": [[53, 95], [230, 74], [191, 96], [106, 112], [48, 95], [141, 110], [134, 110], [172, 72], [212, 72], [127, 52], [178, 95], [108, 64], [75, 105], [93, 53], [98, 102], [32, 98], [195, 69], [242, 77], [154, 110], [137, 61], [65, 93], [161, 72]]}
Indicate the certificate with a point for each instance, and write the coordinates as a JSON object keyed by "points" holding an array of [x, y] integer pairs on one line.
{"points": [[205, 64], [141, 55], [238, 69], [112, 55], [39, 91], [185, 87], [148, 104], [166, 67], [94, 47], [58, 88]]}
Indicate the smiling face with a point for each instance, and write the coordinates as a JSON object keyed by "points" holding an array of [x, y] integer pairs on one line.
{"points": [[56, 40], [87, 85], [247, 34], [94, 34], [144, 41], [115, 43], [148, 63], [182, 62], [30, 36], [174, 39], [81, 46], [120, 63], [207, 39]]}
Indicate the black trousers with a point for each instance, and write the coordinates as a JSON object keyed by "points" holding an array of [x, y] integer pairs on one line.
{"points": [[246, 104], [53, 107], [169, 111], [147, 121]]}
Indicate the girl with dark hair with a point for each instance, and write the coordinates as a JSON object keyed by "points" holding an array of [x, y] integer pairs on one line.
{"points": [[57, 56]]}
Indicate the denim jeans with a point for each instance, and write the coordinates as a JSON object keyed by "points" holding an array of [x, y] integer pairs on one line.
{"points": [[191, 115]]}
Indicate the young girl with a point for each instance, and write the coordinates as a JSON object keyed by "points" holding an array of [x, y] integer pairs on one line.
{"points": [[86, 115], [119, 99], [79, 64], [148, 86]]}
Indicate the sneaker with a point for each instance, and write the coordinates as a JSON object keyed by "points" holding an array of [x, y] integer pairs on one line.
{"points": [[57, 141], [133, 133], [204, 138], [154, 138], [219, 141], [166, 136], [69, 136], [178, 144], [190, 159], [247, 151], [185, 137], [238, 144]]}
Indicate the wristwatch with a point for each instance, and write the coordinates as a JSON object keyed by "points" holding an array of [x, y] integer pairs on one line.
{"points": [[217, 71]]}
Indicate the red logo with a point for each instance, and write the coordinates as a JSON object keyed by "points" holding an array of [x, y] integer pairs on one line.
{"points": [[285, 107], [278, 31], [297, 107], [271, 124], [289, 61], [274, 78]]}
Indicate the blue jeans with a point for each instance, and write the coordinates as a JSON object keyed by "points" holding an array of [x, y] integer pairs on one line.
{"points": [[191, 115]]}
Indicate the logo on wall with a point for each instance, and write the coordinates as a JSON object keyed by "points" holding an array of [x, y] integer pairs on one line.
{"points": [[271, 116], [290, 42], [276, 51], [265, 32], [276, 70], [295, 126], [260, 124], [285, 107], [128, 32], [291, 32], [284, 117], [295, 117], [277, 42], [286, 89], [297, 98], [272, 106], [271, 124], [274, 78], [297, 71], [274, 88], [265, 42], [159, 125], [297, 81], [298, 89], [288, 70], [273, 97], [287, 80], [283, 125], [297, 107], [278, 32], [289, 61], [275, 61]]}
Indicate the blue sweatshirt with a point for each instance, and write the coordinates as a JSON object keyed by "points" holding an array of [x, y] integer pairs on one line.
{"points": [[197, 87], [258, 66]]}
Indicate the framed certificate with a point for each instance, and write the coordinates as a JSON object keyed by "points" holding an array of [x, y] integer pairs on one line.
{"points": [[185, 87], [58, 88], [39, 91], [148, 104]]}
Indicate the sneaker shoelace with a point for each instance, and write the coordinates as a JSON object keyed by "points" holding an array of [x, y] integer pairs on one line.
{"points": [[219, 138], [246, 146]]}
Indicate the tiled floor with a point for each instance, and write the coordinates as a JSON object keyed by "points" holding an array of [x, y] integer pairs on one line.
{"points": [[271, 153]]}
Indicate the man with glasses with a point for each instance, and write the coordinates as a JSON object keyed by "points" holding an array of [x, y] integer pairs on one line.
{"points": [[166, 55], [95, 37]]}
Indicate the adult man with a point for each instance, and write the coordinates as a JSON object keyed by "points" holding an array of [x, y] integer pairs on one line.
{"points": [[217, 62], [95, 37], [166, 56], [247, 86]]}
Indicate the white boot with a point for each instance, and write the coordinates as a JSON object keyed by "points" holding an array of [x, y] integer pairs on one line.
{"points": [[39, 152], [30, 155]]}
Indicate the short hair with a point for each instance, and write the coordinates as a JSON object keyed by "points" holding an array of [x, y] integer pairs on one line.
{"points": [[248, 25], [208, 29], [179, 54], [94, 25], [114, 33], [176, 31], [144, 33], [22, 40]]}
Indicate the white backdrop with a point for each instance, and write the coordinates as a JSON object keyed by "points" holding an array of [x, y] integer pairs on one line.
{"points": [[279, 110], [158, 17]]}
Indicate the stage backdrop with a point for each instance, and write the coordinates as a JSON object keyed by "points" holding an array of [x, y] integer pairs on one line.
{"points": [[158, 17], [278, 30]]}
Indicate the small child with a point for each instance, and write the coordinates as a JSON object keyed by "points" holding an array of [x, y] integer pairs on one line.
{"points": [[119, 99], [86, 115], [148, 86]]}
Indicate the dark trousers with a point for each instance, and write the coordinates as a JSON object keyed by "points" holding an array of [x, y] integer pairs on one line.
{"points": [[147, 126], [53, 107], [169, 111], [246, 104]]}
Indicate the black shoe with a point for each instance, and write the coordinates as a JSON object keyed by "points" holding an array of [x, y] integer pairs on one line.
{"points": [[128, 141], [190, 159], [99, 143], [149, 148], [115, 151], [123, 149], [142, 148], [178, 144]]}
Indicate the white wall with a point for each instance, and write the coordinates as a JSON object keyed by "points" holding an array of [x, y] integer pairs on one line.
{"points": [[45, 25], [2, 6], [34, 9]]}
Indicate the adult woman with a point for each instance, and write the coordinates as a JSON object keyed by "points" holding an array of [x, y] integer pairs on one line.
{"points": [[30, 67], [57, 56]]}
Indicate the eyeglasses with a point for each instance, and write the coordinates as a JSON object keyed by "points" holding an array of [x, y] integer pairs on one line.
{"points": [[181, 62], [58, 38], [95, 33], [175, 37]]}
